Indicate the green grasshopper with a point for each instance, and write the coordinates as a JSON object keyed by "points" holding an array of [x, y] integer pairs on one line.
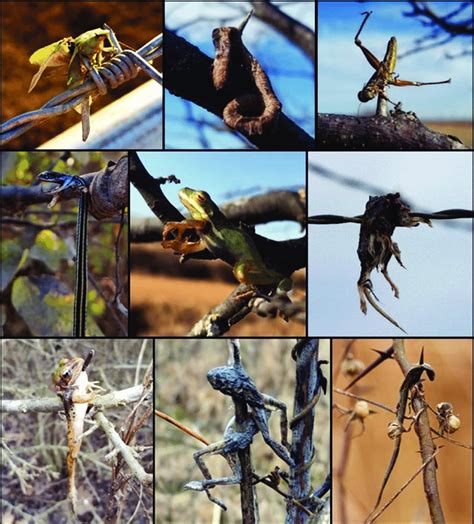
{"points": [[81, 54], [71, 52], [384, 70]]}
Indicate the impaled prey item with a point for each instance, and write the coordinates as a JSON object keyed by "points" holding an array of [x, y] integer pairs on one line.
{"points": [[235, 382], [255, 108], [384, 70], [376, 247]]}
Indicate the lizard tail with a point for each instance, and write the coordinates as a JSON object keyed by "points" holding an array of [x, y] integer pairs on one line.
{"points": [[374, 304], [71, 483], [396, 451]]}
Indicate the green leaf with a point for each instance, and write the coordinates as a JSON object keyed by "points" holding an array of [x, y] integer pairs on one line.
{"points": [[13, 256], [50, 249], [46, 305]]}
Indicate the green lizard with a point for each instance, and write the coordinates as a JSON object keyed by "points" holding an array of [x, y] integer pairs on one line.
{"points": [[71, 383], [211, 229]]}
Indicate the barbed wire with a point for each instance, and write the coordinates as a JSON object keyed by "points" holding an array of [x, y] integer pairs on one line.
{"points": [[447, 214], [120, 69], [365, 187]]}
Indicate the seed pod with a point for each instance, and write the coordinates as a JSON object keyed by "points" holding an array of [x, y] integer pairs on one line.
{"points": [[453, 424], [351, 366], [361, 409]]}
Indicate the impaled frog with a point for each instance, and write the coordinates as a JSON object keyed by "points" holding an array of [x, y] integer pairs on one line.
{"points": [[72, 385], [210, 229]]}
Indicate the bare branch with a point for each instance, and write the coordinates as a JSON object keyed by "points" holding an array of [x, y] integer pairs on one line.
{"points": [[400, 132], [188, 75]]}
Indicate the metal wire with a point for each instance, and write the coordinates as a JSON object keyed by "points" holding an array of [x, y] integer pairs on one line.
{"points": [[120, 69]]}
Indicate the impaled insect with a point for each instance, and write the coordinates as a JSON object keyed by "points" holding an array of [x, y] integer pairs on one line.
{"points": [[80, 55], [384, 70]]}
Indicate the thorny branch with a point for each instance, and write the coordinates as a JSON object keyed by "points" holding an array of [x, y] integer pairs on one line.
{"points": [[427, 446]]}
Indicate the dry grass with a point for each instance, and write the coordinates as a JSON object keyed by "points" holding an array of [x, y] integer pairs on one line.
{"points": [[184, 393]]}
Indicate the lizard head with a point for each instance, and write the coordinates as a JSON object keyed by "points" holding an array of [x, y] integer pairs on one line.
{"points": [[66, 372]]}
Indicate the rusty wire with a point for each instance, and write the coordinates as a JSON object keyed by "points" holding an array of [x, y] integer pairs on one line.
{"points": [[120, 69]]}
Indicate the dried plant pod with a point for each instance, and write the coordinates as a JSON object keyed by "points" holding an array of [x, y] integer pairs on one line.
{"points": [[351, 366], [361, 409], [256, 109]]}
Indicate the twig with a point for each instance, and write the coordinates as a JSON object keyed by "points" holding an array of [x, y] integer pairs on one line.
{"points": [[53, 404], [126, 452], [182, 427], [427, 446], [247, 489], [375, 516], [358, 397], [309, 382]]}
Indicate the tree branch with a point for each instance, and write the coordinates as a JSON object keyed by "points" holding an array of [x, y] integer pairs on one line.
{"points": [[54, 404], [427, 446], [188, 75], [400, 132], [294, 31]]}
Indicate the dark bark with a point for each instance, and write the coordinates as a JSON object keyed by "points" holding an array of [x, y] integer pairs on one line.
{"points": [[400, 132], [188, 75]]}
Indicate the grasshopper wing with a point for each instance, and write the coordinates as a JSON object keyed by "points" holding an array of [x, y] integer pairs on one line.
{"points": [[53, 55]]}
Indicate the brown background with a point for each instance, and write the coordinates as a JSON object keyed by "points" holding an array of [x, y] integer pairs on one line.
{"points": [[27, 26], [370, 453]]}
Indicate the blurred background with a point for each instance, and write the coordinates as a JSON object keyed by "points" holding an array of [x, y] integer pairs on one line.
{"points": [[184, 393], [34, 444], [28, 26], [290, 70], [167, 297], [436, 286], [360, 462], [38, 253], [426, 53]]}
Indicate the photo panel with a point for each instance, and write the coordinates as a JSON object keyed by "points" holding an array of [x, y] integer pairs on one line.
{"points": [[372, 250], [223, 411], [82, 75], [394, 76], [245, 208], [240, 75], [77, 433], [65, 244], [402, 418]]}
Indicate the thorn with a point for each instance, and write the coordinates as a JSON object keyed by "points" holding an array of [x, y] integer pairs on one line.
{"points": [[244, 22]]}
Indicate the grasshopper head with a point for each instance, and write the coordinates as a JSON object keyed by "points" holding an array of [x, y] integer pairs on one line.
{"points": [[368, 93]]}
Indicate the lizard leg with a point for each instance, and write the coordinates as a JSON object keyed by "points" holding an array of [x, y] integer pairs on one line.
{"points": [[281, 406], [262, 424]]}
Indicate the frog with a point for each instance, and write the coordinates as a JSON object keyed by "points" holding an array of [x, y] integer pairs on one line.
{"points": [[71, 384], [210, 229]]}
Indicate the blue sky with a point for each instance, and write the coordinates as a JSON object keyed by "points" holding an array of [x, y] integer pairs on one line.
{"points": [[436, 286], [284, 63], [226, 176], [343, 70]]}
